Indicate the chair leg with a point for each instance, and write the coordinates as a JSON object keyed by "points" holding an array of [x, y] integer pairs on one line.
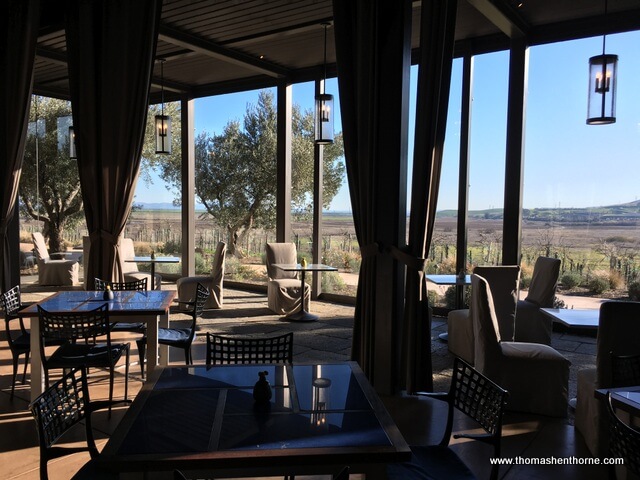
{"points": [[142, 347], [15, 372], [126, 376], [26, 363]]}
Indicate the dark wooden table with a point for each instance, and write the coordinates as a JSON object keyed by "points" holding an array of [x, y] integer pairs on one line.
{"points": [[303, 315], [150, 307], [204, 420]]}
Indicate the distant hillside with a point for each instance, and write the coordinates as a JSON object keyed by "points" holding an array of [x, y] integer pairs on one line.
{"points": [[622, 214]]}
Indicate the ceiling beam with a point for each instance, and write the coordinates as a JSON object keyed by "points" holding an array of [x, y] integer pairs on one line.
{"points": [[502, 16], [214, 50]]}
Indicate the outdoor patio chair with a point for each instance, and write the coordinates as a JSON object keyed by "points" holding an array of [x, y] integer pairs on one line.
{"points": [[187, 285], [531, 324], [223, 350], [503, 281], [53, 272], [479, 398], [60, 407], [19, 340], [80, 332], [283, 288], [624, 442], [179, 337], [618, 333], [536, 376]]}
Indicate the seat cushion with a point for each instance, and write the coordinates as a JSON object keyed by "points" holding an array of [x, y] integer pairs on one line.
{"points": [[431, 462], [173, 336], [128, 327], [461, 339], [70, 355]]}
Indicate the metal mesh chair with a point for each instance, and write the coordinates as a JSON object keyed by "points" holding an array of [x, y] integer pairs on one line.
{"points": [[79, 332], [180, 337], [135, 285], [223, 350], [624, 442], [19, 340], [625, 370], [477, 397], [59, 408]]}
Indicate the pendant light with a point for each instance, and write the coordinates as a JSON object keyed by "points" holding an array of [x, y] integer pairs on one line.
{"points": [[72, 144], [163, 122], [324, 106], [603, 72]]}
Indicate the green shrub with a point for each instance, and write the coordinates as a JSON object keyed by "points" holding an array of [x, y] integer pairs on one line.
{"points": [[525, 281], [571, 280], [332, 282], [172, 246], [598, 284], [450, 297], [432, 296], [634, 291]]}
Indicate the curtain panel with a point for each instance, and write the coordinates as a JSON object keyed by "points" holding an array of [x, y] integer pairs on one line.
{"points": [[111, 47], [19, 22], [438, 18]]}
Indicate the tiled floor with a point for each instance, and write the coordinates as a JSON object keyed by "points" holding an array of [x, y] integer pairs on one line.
{"points": [[327, 339]]}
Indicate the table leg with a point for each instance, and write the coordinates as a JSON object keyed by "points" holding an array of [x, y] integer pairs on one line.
{"points": [[37, 373], [302, 315], [152, 343], [153, 275]]}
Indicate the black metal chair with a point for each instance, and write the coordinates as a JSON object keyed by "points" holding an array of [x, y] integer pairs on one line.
{"points": [[79, 331], [625, 370], [59, 408], [136, 285], [223, 350], [180, 337], [624, 442], [19, 340], [477, 397]]}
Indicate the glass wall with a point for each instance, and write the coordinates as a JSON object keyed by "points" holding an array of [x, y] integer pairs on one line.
{"points": [[580, 193]]}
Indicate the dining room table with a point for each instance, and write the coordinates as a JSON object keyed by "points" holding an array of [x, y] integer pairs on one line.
{"points": [[154, 260], [459, 281], [587, 318], [206, 421], [150, 307]]}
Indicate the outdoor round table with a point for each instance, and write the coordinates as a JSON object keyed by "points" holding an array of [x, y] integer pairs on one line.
{"points": [[153, 262]]}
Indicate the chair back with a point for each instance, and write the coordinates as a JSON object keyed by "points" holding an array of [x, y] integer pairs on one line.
{"points": [[223, 350], [58, 409], [74, 326], [11, 301], [625, 370], [135, 285], [126, 251], [624, 442], [485, 327], [281, 253], [618, 333], [544, 281], [504, 283], [40, 247], [202, 295]]}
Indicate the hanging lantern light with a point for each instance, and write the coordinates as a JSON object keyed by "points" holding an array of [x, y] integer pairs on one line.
{"points": [[324, 106], [603, 74], [163, 122], [72, 143]]}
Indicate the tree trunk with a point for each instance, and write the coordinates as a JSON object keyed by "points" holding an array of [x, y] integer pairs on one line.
{"points": [[56, 241]]}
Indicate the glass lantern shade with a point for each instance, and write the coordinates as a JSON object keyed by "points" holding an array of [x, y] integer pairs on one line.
{"points": [[324, 119], [163, 134], [321, 395], [72, 143], [603, 70]]}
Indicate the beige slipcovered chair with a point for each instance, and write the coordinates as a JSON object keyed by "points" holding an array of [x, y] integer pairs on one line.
{"points": [[187, 285], [283, 288], [531, 324], [53, 272], [536, 376], [130, 269], [618, 333], [503, 281]]}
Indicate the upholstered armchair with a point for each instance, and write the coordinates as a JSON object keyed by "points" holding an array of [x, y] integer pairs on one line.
{"points": [[187, 285], [531, 325], [618, 334], [53, 272], [503, 281], [283, 288], [536, 376]]}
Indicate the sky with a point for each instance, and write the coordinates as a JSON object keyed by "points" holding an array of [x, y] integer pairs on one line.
{"points": [[567, 163]]}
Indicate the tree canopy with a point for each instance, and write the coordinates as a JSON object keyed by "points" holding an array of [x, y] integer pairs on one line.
{"points": [[236, 170], [49, 188]]}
